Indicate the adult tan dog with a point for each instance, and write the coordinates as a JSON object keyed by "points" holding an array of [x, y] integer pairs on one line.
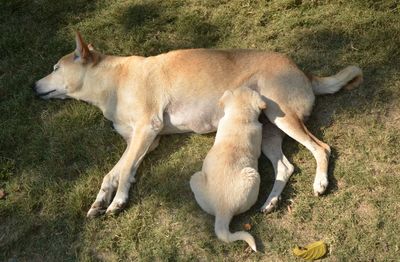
{"points": [[178, 92], [229, 182]]}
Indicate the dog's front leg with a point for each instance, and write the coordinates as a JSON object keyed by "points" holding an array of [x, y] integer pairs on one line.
{"points": [[107, 189], [143, 136], [110, 184]]}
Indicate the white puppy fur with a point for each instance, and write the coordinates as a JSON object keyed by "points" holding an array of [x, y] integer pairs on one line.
{"points": [[229, 181]]}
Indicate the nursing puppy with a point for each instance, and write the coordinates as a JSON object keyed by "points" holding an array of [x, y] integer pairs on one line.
{"points": [[229, 181]]}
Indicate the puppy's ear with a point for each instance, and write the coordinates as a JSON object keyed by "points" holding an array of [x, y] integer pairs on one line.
{"points": [[82, 51], [260, 100], [225, 97]]}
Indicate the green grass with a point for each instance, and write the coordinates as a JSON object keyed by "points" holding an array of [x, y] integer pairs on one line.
{"points": [[54, 154]]}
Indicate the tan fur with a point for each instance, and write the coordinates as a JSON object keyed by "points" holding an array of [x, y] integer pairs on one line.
{"points": [[229, 182], [178, 92]]}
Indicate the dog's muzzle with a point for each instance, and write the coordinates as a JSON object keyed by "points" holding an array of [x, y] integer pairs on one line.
{"points": [[37, 93]]}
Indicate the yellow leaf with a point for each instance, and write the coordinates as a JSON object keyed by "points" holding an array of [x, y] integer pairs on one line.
{"points": [[312, 251]]}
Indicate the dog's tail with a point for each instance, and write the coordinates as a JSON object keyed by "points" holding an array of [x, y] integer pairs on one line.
{"points": [[350, 77], [223, 233]]}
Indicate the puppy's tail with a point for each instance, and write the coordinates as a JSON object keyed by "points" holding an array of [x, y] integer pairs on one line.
{"points": [[223, 233], [350, 77]]}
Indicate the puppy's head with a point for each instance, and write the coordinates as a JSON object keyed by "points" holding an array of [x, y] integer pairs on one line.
{"points": [[68, 73], [243, 99]]}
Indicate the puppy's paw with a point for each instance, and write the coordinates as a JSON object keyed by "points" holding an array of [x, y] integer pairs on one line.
{"points": [[320, 185], [270, 205]]}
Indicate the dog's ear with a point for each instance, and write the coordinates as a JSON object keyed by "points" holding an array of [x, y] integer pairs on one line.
{"points": [[225, 97], [82, 51]]}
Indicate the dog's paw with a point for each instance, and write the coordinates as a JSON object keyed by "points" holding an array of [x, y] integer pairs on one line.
{"points": [[270, 205], [116, 207], [96, 210], [320, 185]]}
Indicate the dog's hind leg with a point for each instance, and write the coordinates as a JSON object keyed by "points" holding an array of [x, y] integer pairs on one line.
{"points": [[143, 136], [294, 127], [155, 144], [272, 148]]}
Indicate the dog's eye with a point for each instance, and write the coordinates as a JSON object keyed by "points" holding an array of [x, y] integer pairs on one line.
{"points": [[56, 67]]}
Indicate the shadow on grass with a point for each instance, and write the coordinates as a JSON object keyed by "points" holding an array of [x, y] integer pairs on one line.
{"points": [[29, 42], [31, 237], [163, 182], [157, 28]]}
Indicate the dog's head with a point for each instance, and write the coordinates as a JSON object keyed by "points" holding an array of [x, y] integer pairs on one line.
{"points": [[243, 99], [68, 73]]}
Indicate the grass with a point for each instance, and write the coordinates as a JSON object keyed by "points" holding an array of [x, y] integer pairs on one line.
{"points": [[54, 154]]}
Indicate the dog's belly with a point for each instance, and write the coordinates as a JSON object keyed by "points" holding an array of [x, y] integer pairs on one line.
{"points": [[192, 117]]}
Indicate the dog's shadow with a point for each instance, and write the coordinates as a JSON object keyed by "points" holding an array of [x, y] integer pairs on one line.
{"points": [[157, 178]]}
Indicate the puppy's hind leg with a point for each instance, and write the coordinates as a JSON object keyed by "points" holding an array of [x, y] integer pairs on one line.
{"points": [[196, 181], [272, 148], [198, 185]]}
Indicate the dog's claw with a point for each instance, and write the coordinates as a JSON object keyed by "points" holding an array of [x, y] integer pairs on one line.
{"points": [[115, 208], [112, 212], [268, 209], [98, 208], [95, 212], [319, 192]]}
